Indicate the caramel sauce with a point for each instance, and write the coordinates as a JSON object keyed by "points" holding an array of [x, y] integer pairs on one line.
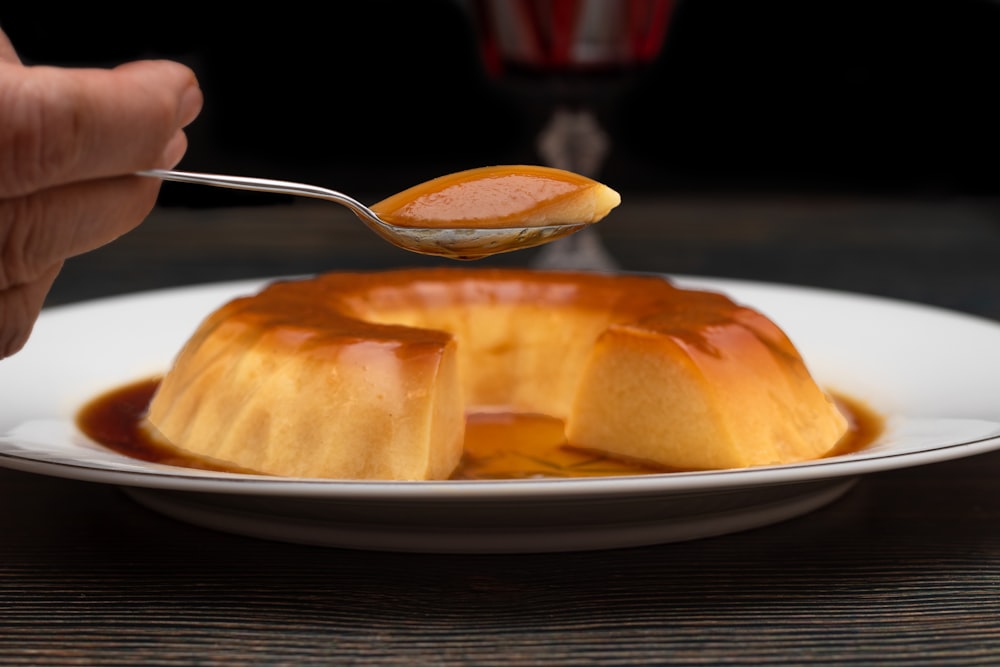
{"points": [[497, 446], [497, 196]]}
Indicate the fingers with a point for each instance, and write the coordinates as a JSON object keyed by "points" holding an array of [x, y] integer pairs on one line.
{"points": [[70, 140], [64, 125], [19, 309], [7, 52], [40, 230]]}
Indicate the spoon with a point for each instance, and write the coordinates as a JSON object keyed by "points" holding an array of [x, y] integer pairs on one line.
{"points": [[454, 242]]}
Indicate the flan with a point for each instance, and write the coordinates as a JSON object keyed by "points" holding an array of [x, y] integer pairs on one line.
{"points": [[370, 375]]}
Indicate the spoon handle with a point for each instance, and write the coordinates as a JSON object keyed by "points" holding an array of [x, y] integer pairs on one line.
{"points": [[262, 185]]}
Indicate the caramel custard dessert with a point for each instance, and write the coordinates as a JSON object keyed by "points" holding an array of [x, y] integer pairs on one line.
{"points": [[373, 375]]}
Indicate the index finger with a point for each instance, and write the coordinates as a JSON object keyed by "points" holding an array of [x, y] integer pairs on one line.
{"points": [[63, 125]]}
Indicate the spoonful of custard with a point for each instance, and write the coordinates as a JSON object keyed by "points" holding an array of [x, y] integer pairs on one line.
{"points": [[466, 215]]}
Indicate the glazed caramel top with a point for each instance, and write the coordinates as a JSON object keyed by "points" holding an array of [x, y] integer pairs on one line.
{"points": [[345, 306], [500, 196]]}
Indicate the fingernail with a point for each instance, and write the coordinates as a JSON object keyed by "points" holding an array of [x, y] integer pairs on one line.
{"points": [[190, 104]]}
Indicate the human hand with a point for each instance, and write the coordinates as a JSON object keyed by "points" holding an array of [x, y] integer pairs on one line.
{"points": [[70, 142]]}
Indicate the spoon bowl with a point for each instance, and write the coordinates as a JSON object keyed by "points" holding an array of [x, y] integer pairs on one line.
{"points": [[453, 242]]}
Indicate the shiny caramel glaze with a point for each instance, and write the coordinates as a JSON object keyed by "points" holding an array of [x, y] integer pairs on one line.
{"points": [[338, 306], [500, 196], [497, 445]]}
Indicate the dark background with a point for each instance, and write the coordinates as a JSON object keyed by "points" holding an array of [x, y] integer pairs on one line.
{"points": [[371, 97]]}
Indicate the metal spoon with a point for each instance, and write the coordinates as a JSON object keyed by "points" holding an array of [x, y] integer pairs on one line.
{"points": [[456, 243]]}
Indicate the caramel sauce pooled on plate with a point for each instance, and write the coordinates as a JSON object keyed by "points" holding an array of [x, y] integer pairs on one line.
{"points": [[497, 446]]}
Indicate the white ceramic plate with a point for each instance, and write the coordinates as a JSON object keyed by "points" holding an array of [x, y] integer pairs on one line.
{"points": [[933, 374]]}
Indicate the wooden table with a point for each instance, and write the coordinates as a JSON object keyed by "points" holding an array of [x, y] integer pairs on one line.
{"points": [[905, 569]]}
